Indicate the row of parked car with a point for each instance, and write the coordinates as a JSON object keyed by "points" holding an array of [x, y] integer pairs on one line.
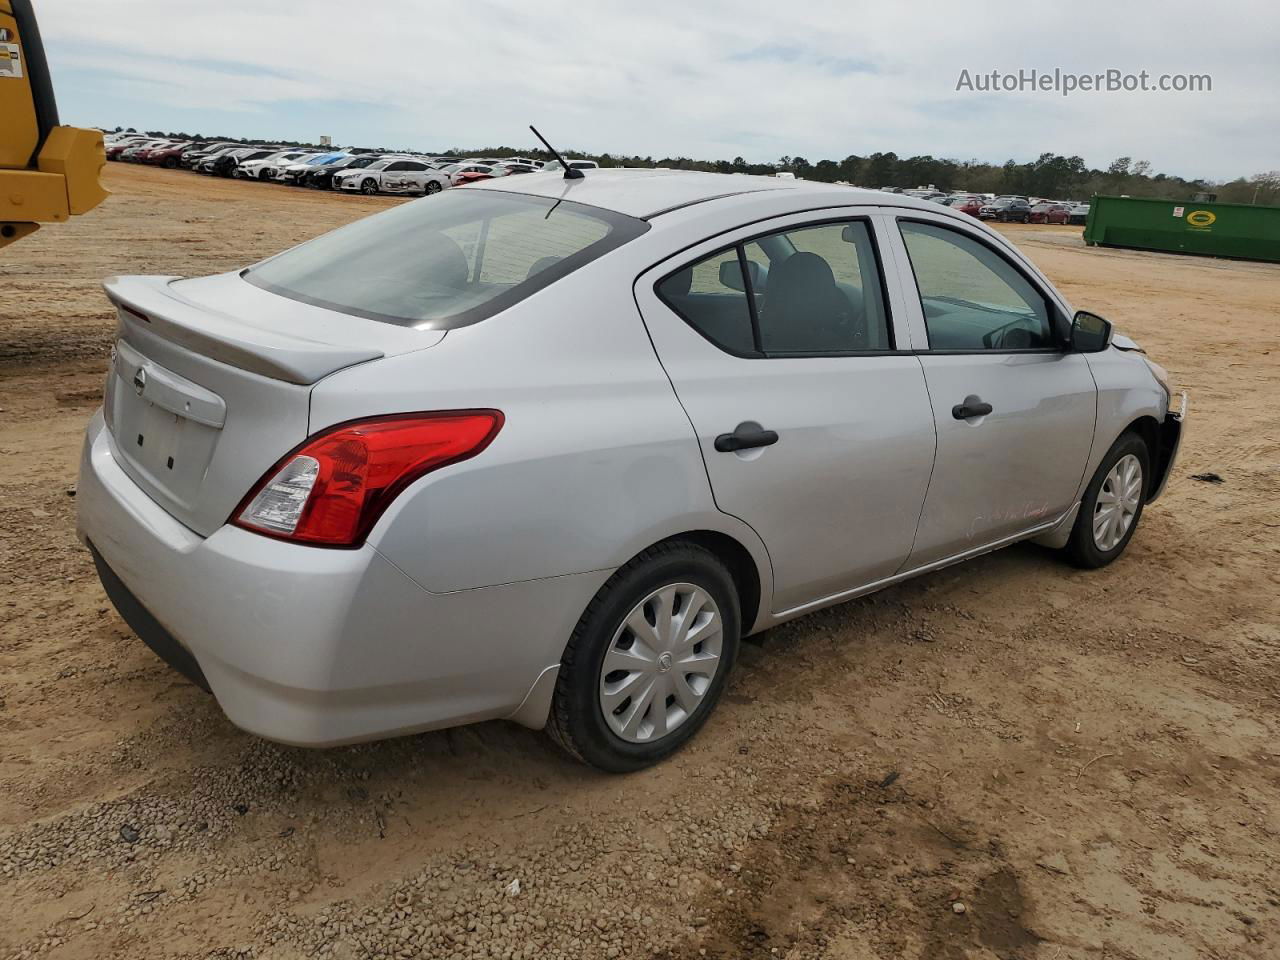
{"points": [[408, 173], [1005, 208], [352, 171]]}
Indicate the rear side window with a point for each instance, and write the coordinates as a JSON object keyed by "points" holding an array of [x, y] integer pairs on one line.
{"points": [[711, 297], [810, 291], [825, 297], [446, 261]]}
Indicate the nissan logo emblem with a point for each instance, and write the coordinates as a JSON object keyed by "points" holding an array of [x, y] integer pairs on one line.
{"points": [[139, 381]]}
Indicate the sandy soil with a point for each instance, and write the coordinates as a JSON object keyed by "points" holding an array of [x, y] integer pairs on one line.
{"points": [[1087, 762]]}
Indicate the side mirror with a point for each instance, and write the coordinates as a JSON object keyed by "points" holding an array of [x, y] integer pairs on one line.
{"points": [[731, 276], [1089, 333]]}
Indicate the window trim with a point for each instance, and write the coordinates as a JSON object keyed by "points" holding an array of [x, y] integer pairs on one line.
{"points": [[1054, 309], [740, 245]]}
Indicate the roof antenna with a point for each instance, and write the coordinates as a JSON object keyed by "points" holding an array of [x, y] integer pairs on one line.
{"points": [[570, 173]]}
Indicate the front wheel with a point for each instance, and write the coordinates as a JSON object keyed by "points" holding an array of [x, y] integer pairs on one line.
{"points": [[1026, 218], [647, 662], [369, 187], [1112, 504]]}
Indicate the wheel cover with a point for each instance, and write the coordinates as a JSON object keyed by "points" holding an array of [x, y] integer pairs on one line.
{"points": [[661, 662], [1117, 503]]}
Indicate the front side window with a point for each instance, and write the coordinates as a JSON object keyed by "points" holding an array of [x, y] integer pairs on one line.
{"points": [[974, 299], [446, 262], [809, 291]]}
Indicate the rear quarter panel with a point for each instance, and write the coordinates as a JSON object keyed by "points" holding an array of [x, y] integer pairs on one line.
{"points": [[596, 459]]}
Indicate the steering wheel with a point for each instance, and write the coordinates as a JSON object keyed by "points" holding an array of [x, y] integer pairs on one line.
{"points": [[1012, 336]]}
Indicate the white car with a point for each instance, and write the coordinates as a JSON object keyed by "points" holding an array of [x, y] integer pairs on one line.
{"points": [[305, 160], [265, 168], [553, 166], [507, 167], [393, 175]]}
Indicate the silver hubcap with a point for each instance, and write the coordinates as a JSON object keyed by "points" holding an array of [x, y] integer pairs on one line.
{"points": [[1118, 502], [661, 662]]}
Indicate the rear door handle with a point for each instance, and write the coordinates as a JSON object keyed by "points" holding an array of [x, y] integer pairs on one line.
{"points": [[745, 436], [973, 406]]}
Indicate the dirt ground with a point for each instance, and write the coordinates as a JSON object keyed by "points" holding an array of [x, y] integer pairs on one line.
{"points": [[1010, 758]]}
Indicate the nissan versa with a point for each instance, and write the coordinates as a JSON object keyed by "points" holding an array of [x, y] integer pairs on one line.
{"points": [[547, 449]]}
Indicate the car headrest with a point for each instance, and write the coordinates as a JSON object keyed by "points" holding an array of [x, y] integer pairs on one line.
{"points": [[540, 265], [800, 273], [444, 261]]}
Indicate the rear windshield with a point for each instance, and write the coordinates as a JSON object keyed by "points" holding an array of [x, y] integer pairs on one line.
{"points": [[448, 260]]}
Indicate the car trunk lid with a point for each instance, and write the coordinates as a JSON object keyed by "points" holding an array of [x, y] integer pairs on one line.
{"points": [[210, 383]]}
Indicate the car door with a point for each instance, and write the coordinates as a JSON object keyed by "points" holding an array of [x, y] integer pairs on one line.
{"points": [[421, 174], [785, 348], [392, 178], [1014, 409]]}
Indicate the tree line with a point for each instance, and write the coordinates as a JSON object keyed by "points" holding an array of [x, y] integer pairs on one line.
{"points": [[1049, 175]]}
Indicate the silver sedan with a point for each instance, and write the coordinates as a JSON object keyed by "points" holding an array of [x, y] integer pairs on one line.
{"points": [[547, 449]]}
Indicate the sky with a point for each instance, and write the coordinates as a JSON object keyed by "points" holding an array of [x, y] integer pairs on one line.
{"points": [[705, 79]]}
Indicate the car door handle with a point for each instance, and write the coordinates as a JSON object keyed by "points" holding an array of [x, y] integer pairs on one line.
{"points": [[744, 437], [973, 406]]}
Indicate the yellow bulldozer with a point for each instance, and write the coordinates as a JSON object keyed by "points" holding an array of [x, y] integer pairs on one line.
{"points": [[48, 172]]}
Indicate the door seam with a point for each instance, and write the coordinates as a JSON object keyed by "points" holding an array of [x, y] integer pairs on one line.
{"points": [[933, 465], [706, 469]]}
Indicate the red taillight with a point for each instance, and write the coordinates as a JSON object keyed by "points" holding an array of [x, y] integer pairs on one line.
{"points": [[331, 490]]}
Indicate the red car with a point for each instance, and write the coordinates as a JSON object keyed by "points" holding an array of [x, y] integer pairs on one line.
{"points": [[169, 156], [115, 149], [1050, 213], [462, 179], [970, 206]]}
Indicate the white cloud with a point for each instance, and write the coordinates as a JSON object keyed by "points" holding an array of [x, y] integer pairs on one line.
{"points": [[707, 79]]}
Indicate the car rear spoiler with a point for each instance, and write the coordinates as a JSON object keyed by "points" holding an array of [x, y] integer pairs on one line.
{"points": [[154, 302]]}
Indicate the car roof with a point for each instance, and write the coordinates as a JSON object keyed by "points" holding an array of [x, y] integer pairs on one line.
{"points": [[647, 193]]}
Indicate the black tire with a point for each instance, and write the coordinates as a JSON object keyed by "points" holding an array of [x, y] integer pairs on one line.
{"points": [[432, 187], [170, 163], [369, 187], [1026, 218], [1082, 549], [577, 722]]}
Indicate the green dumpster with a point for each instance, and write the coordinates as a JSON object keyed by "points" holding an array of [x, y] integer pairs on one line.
{"points": [[1182, 226]]}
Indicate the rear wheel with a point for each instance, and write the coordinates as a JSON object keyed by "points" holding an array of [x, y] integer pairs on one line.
{"points": [[1112, 504], [433, 186], [648, 660]]}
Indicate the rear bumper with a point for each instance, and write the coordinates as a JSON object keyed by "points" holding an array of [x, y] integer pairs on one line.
{"points": [[315, 647], [149, 630]]}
